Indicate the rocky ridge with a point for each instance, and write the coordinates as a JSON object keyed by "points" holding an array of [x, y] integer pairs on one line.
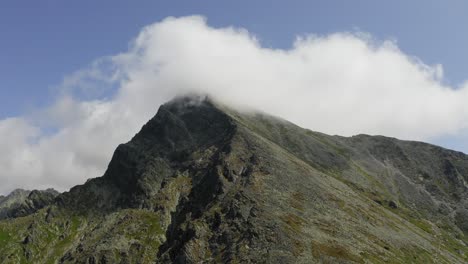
{"points": [[23, 202]]}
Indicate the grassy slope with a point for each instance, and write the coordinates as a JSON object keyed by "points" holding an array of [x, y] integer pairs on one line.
{"points": [[48, 241]]}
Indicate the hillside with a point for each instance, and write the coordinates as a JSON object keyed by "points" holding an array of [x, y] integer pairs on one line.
{"points": [[202, 183]]}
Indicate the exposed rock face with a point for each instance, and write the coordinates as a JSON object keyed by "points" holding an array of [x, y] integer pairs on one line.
{"points": [[22, 202], [202, 183]]}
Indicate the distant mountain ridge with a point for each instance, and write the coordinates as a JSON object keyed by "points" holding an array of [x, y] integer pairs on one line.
{"points": [[203, 183], [23, 202]]}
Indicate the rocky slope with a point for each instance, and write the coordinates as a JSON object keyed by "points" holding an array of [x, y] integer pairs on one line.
{"points": [[22, 202], [202, 183]]}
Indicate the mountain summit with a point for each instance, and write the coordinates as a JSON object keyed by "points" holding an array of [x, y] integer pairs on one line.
{"points": [[203, 183]]}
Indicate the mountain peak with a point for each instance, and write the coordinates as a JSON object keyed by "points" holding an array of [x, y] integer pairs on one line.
{"points": [[181, 128]]}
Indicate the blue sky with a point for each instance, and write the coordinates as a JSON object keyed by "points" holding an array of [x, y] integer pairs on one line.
{"points": [[41, 41], [394, 68]]}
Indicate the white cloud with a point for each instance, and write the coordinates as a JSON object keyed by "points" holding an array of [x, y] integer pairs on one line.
{"points": [[342, 83]]}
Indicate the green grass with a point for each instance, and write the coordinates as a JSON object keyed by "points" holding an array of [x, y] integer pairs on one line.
{"points": [[4, 238], [422, 224], [320, 250], [60, 246], [339, 150], [294, 222], [451, 244]]}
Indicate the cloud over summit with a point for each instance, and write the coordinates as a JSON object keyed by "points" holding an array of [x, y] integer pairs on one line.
{"points": [[343, 83]]}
